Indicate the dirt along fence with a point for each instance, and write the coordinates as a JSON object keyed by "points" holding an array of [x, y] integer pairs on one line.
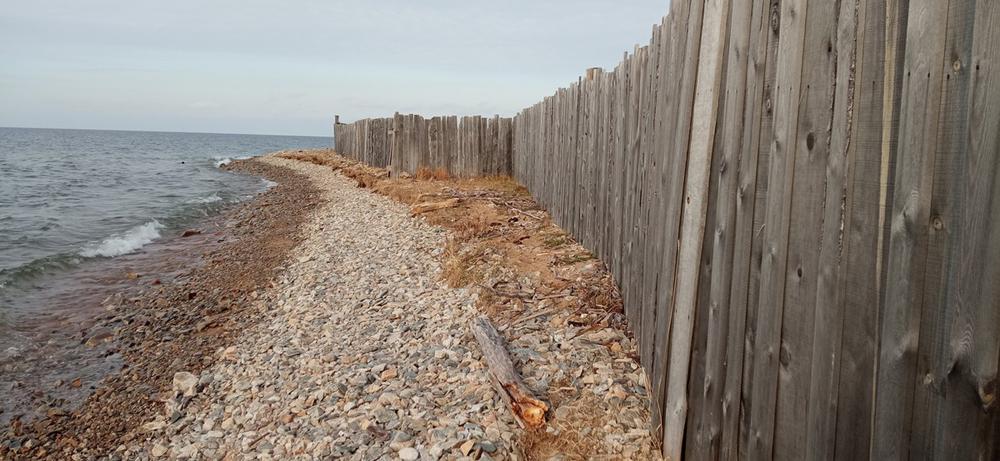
{"points": [[799, 200], [466, 146]]}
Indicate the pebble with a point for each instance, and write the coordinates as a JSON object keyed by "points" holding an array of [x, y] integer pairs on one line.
{"points": [[409, 454], [158, 450], [185, 383]]}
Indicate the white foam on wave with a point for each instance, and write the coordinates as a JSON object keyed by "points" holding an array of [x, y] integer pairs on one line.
{"points": [[210, 199], [223, 161], [117, 245]]}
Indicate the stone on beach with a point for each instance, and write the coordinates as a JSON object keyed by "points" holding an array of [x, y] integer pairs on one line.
{"points": [[185, 384]]}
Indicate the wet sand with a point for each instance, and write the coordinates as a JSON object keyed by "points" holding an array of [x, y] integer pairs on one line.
{"points": [[169, 315]]}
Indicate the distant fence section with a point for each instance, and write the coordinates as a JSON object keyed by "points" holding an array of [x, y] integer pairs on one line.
{"points": [[799, 200], [462, 146]]}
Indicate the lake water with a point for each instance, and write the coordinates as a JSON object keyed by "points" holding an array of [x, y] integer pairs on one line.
{"points": [[72, 200]]}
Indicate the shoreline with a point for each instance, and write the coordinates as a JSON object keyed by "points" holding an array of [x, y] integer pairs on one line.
{"points": [[351, 339], [174, 324]]}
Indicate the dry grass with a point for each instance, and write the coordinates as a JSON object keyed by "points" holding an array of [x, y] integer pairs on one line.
{"points": [[366, 176], [427, 174], [579, 433]]}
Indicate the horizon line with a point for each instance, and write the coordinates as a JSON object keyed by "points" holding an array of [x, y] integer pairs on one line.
{"points": [[166, 131]]}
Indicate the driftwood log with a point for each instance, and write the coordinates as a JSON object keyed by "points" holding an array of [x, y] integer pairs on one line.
{"points": [[427, 207], [529, 410]]}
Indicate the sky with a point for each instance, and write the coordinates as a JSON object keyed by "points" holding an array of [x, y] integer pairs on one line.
{"points": [[288, 67]]}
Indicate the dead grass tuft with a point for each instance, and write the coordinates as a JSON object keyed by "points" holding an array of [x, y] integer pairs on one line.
{"points": [[578, 431], [570, 259], [427, 174]]}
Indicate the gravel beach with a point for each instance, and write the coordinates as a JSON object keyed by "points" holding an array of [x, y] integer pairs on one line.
{"points": [[355, 348]]}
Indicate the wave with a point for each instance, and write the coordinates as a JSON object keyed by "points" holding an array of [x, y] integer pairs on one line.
{"points": [[205, 200], [128, 242], [223, 161]]}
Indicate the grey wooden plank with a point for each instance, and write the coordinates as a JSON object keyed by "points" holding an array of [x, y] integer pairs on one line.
{"points": [[686, 23], [621, 86], [909, 218], [663, 86], [960, 343], [809, 236], [976, 335], [934, 360], [838, 206], [705, 427], [693, 220], [629, 155], [650, 164], [852, 410], [776, 229], [750, 200]]}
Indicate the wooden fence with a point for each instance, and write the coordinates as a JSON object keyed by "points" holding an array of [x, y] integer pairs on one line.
{"points": [[799, 200], [466, 146]]}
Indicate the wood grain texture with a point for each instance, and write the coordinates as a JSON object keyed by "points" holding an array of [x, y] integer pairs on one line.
{"points": [[909, 218], [768, 349], [705, 428], [693, 218]]}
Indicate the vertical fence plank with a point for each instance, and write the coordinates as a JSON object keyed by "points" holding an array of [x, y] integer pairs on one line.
{"points": [[767, 349], [808, 238], [922, 83], [704, 117], [705, 428], [860, 272], [686, 24]]}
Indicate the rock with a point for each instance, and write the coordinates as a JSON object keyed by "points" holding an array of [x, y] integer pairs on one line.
{"points": [[409, 454], [391, 373], [400, 440], [488, 446], [153, 426], [158, 451], [467, 447], [185, 384], [190, 233], [100, 336]]}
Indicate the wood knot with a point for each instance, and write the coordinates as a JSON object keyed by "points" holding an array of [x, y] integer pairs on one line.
{"points": [[987, 394], [775, 18]]}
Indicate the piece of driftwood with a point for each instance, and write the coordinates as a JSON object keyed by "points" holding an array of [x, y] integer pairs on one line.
{"points": [[427, 207], [529, 410]]}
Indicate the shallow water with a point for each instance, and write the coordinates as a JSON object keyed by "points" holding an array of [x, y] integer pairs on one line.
{"points": [[77, 207]]}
